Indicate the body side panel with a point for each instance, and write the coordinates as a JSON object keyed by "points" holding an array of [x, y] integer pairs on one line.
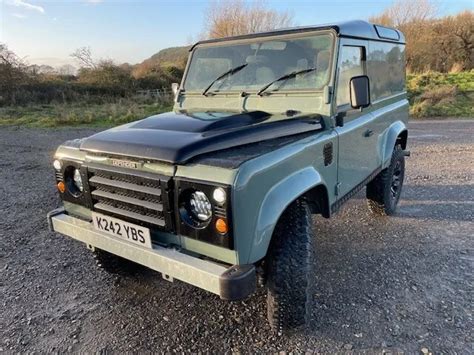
{"points": [[391, 119], [266, 185]]}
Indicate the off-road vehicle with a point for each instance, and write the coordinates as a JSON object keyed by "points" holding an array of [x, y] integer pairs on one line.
{"points": [[267, 129]]}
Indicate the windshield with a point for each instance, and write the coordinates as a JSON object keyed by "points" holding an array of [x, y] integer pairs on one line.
{"points": [[265, 60]]}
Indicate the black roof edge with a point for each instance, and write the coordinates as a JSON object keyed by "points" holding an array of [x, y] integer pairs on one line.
{"points": [[357, 29]]}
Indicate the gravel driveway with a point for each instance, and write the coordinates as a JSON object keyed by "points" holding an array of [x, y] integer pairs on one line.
{"points": [[400, 284]]}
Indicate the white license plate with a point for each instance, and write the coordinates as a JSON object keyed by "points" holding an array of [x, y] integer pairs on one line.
{"points": [[123, 230]]}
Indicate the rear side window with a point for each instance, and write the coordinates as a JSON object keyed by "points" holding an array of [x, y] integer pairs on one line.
{"points": [[351, 63], [386, 69]]}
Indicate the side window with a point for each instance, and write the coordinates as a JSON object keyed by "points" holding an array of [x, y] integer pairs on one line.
{"points": [[386, 69], [351, 63]]}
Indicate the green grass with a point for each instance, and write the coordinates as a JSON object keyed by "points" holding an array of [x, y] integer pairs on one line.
{"points": [[79, 114], [435, 94]]}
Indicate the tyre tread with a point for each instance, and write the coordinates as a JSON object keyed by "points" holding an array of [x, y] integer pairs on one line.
{"points": [[288, 300], [376, 193]]}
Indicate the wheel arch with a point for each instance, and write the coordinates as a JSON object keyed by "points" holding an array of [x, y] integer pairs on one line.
{"points": [[318, 200], [305, 183], [397, 133], [402, 139]]}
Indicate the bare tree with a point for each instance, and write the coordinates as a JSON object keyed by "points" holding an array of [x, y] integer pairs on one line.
{"points": [[66, 69], [414, 18], [13, 74], [7, 57], [463, 30], [403, 12], [236, 17], [13, 70], [440, 44], [84, 56]]}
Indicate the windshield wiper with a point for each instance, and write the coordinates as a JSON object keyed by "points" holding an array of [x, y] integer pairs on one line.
{"points": [[228, 73], [284, 78]]}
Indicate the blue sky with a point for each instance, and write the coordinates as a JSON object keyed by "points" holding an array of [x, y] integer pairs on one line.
{"points": [[47, 31]]}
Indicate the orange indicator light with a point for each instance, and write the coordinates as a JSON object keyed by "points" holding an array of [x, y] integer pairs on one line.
{"points": [[221, 226], [61, 187]]}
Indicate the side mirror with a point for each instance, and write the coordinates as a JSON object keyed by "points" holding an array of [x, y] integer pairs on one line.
{"points": [[175, 90], [359, 91]]}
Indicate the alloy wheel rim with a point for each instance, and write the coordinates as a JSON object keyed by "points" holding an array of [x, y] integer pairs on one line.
{"points": [[396, 182]]}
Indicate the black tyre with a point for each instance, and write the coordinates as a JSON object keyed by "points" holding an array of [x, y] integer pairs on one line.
{"points": [[288, 267], [384, 191], [115, 264]]}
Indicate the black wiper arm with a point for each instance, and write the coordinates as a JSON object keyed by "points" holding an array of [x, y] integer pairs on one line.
{"points": [[284, 78], [229, 72]]}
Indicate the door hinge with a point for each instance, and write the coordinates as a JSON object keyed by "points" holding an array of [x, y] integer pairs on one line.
{"points": [[337, 189]]}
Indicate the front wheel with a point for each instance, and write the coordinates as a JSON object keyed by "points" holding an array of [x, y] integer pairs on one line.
{"points": [[288, 268], [384, 191]]}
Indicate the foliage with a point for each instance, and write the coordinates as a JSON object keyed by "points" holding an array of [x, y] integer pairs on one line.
{"points": [[436, 94], [441, 44], [98, 81], [13, 73], [106, 74]]}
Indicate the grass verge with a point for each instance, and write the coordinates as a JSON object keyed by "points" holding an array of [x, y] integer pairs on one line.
{"points": [[435, 94], [79, 114]]}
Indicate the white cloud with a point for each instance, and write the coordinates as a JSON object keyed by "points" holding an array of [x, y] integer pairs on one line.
{"points": [[94, 1], [20, 16], [27, 6]]}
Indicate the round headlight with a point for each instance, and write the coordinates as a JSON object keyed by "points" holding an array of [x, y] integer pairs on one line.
{"points": [[73, 180], [219, 195], [78, 180], [200, 206], [57, 164]]}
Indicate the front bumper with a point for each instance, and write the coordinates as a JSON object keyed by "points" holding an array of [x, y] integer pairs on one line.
{"points": [[230, 283]]}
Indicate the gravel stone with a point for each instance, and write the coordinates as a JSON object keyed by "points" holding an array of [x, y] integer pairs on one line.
{"points": [[364, 272]]}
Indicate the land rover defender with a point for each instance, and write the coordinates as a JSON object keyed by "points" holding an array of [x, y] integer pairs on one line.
{"points": [[267, 129]]}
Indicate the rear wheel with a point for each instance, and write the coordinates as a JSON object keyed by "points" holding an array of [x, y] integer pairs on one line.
{"points": [[288, 269], [383, 192], [114, 264]]}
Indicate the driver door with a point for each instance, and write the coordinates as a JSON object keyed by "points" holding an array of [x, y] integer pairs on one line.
{"points": [[358, 156]]}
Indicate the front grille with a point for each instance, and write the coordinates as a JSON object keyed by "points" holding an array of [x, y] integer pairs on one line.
{"points": [[132, 195], [59, 176]]}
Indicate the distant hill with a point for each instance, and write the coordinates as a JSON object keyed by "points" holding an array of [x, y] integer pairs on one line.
{"points": [[168, 63], [172, 55]]}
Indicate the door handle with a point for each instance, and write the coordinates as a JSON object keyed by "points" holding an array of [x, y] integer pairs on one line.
{"points": [[368, 133]]}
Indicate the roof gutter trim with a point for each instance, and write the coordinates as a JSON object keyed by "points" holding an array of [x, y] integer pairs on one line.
{"points": [[372, 39], [267, 34]]}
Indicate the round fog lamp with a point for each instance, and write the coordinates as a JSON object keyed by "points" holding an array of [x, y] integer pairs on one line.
{"points": [[219, 195], [78, 180], [200, 206]]}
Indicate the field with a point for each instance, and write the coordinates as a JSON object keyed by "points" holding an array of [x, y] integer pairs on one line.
{"points": [[431, 95]]}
